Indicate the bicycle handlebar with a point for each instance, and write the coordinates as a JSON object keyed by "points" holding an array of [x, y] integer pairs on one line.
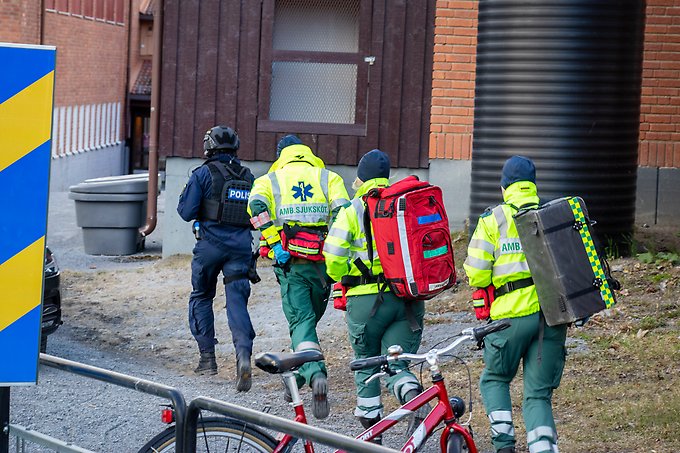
{"points": [[480, 332], [476, 333], [371, 362]]}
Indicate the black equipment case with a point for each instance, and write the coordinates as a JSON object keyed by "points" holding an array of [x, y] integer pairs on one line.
{"points": [[571, 280]]}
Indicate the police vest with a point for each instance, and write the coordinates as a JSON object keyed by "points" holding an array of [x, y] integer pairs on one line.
{"points": [[228, 200]]}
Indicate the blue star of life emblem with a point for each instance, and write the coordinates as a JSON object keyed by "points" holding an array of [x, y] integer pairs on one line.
{"points": [[302, 191]]}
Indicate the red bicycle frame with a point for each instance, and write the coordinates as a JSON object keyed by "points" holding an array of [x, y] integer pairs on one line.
{"points": [[442, 412], [300, 417]]}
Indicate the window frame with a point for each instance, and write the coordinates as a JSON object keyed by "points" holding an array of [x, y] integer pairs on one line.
{"points": [[268, 55]]}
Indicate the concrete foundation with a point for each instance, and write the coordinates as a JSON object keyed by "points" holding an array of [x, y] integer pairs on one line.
{"points": [[75, 168], [658, 196]]}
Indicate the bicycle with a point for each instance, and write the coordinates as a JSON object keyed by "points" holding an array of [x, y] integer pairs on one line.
{"points": [[223, 433]]}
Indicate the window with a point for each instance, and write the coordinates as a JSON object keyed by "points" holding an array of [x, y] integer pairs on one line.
{"points": [[314, 78]]}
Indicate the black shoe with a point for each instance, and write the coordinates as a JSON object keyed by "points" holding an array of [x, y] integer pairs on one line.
{"points": [[418, 416], [320, 406], [243, 373], [367, 423], [506, 450], [207, 366]]}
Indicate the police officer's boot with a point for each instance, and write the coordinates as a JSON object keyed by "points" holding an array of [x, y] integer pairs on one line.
{"points": [[207, 366], [367, 423], [419, 415], [243, 372]]}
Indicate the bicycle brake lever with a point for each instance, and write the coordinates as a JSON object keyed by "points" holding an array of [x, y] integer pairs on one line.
{"points": [[375, 376]]}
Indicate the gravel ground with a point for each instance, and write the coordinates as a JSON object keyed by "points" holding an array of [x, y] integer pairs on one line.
{"points": [[128, 314]]}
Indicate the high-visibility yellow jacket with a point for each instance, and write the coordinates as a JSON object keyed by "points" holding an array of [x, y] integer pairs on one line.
{"points": [[346, 242], [495, 254], [298, 189]]}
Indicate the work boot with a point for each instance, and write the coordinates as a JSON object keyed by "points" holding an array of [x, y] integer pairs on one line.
{"points": [[243, 373], [320, 406], [367, 423], [419, 415], [207, 366]]}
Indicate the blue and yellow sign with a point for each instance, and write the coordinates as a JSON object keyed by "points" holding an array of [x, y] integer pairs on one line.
{"points": [[26, 91]]}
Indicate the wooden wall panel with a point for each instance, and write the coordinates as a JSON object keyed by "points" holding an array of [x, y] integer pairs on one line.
{"points": [[392, 81], [166, 143], [412, 85], [211, 66], [206, 74], [187, 59]]}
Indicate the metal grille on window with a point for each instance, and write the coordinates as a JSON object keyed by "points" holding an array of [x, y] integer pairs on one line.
{"points": [[320, 88]]}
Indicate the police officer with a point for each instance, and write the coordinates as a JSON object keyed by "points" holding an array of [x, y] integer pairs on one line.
{"points": [[495, 258], [296, 200], [224, 244], [373, 326]]}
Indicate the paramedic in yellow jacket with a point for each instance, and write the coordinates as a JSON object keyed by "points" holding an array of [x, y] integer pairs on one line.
{"points": [[299, 194], [495, 257], [373, 326]]}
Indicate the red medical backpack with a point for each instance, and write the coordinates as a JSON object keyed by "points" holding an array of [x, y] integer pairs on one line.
{"points": [[412, 238]]}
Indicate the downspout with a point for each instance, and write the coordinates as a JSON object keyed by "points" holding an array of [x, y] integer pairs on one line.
{"points": [[152, 200], [42, 22], [126, 111]]}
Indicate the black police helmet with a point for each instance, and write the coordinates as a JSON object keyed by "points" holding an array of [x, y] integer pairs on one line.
{"points": [[220, 139]]}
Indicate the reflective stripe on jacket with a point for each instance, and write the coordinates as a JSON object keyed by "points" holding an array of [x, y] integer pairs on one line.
{"points": [[495, 254], [346, 241], [299, 189]]}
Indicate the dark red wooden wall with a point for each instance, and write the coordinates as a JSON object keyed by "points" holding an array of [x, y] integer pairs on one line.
{"points": [[210, 75]]}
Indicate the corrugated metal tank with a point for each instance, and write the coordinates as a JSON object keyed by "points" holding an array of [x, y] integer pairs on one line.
{"points": [[559, 82]]}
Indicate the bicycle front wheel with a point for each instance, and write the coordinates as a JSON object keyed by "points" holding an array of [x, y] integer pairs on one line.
{"points": [[216, 434]]}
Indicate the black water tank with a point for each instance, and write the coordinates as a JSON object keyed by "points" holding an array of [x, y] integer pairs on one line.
{"points": [[559, 82]]}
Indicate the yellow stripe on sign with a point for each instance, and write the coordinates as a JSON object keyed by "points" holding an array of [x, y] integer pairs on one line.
{"points": [[26, 120], [21, 278]]}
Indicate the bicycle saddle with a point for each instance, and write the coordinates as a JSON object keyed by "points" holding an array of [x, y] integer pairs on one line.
{"points": [[277, 363]]}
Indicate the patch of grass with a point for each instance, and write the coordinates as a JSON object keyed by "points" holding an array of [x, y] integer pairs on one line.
{"points": [[658, 278], [650, 322], [621, 399]]}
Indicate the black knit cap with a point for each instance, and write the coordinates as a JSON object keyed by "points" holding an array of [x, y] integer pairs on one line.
{"points": [[516, 169], [374, 164], [286, 142]]}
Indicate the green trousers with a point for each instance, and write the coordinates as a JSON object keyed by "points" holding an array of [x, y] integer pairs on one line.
{"points": [[543, 363], [304, 296], [372, 335]]}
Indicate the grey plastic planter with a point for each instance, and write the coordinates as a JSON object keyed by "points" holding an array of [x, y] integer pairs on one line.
{"points": [[110, 211]]}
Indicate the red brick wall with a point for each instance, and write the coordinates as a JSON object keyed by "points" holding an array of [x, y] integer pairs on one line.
{"points": [[453, 79], [91, 59], [660, 106], [20, 21]]}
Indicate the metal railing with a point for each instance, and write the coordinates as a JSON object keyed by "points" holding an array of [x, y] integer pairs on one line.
{"points": [[131, 382], [24, 434], [284, 425], [186, 417]]}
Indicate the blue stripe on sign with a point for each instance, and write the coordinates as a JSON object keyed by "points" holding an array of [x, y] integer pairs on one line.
{"points": [[22, 67], [20, 362], [23, 205], [424, 220]]}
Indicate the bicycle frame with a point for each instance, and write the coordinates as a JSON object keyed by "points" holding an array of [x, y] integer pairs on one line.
{"points": [[442, 412], [288, 440]]}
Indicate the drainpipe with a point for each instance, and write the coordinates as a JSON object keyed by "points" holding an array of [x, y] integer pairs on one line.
{"points": [[152, 201]]}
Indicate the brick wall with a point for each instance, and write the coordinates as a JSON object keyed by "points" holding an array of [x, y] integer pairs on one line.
{"points": [[91, 59], [453, 79], [20, 21], [660, 106]]}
